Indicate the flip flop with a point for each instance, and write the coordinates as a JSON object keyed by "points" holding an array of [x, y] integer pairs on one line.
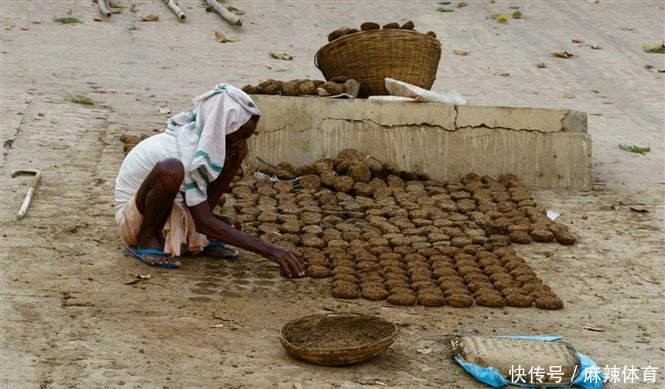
{"points": [[138, 254], [214, 243]]}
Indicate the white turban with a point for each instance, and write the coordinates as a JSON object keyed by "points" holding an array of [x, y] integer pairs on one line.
{"points": [[201, 136]]}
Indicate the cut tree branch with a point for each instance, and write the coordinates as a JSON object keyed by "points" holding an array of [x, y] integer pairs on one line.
{"points": [[224, 13], [104, 8], [175, 8]]}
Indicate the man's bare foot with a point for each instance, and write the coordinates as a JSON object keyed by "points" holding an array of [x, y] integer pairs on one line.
{"points": [[155, 259]]}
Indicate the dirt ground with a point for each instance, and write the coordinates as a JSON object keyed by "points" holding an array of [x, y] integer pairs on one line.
{"points": [[68, 319]]}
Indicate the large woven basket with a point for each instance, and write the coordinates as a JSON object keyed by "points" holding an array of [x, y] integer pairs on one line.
{"points": [[371, 56], [337, 339]]}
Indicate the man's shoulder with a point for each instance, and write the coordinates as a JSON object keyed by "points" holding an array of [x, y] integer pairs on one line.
{"points": [[158, 141], [155, 147]]}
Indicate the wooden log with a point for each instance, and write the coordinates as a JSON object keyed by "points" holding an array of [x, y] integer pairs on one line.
{"points": [[224, 13], [104, 8], [175, 8]]}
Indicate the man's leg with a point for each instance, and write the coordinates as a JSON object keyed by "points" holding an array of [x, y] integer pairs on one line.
{"points": [[154, 200]]}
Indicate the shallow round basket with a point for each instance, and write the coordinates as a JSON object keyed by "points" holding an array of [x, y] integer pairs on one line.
{"points": [[371, 56], [337, 339]]}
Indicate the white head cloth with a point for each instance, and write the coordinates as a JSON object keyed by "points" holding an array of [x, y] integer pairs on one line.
{"points": [[201, 136]]}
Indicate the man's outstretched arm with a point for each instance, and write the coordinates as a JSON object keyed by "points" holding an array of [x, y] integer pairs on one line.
{"points": [[290, 261]]}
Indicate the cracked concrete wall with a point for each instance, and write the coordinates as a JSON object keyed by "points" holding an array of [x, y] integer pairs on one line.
{"points": [[545, 148]]}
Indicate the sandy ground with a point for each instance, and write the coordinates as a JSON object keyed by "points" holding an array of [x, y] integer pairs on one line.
{"points": [[69, 320]]}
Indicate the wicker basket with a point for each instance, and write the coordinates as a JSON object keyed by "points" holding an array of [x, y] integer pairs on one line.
{"points": [[371, 56], [337, 339]]}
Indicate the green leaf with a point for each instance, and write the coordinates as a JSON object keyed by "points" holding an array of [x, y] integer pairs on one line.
{"points": [[67, 20], [635, 149], [654, 48], [80, 99]]}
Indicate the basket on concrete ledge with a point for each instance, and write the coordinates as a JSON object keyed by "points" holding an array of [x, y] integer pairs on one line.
{"points": [[371, 56], [337, 339]]}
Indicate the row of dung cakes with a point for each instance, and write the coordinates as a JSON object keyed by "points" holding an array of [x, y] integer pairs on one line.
{"points": [[297, 88], [490, 278], [369, 26]]}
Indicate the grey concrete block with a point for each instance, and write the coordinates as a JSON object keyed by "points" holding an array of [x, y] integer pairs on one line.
{"points": [[528, 142]]}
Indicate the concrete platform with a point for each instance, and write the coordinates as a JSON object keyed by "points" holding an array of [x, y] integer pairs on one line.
{"points": [[545, 148]]}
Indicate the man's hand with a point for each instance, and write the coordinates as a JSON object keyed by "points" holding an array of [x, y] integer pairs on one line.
{"points": [[290, 261], [235, 223]]}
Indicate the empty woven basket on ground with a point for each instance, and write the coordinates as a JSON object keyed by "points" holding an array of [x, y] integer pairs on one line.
{"points": [[371, 56], [337, 338]]}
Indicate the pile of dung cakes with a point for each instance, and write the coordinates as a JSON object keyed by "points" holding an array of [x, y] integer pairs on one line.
{"points": [[367, 26], [298, 88], [381, 233]]}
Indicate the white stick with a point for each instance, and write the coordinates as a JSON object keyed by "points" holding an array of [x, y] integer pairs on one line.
{"points": [[104, 8], [31, 192], [175, 8], [224, 13], [26, 203]]}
